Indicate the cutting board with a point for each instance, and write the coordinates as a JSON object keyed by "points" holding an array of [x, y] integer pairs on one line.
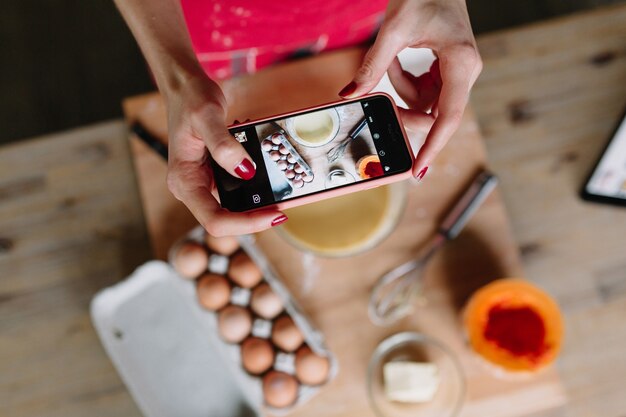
{"points": [[334, 292]]}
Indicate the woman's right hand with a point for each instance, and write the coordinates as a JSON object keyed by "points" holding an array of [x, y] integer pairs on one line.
{"points": [[196, 110]]}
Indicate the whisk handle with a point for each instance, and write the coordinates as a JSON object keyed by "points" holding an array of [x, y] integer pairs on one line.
{"points": [[357, 129], [477, 192]]}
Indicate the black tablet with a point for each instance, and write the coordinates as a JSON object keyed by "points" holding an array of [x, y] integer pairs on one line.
{"points": [[607, 181]]}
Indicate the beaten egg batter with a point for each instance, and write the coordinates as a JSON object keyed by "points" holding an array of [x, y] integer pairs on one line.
{"points": [[314, 127], [343, 224]]}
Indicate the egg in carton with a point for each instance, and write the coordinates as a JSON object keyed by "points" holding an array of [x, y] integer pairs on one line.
{"points": [[278, 356], [287, 159]]}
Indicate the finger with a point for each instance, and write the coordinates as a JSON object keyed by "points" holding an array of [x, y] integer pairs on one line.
{"points": [[403, 83], [416, 121], [220, 222], [428, 86], [375, 63], [421, 92], [193, 188], [457, 72], [226, 151], [434, 110]]}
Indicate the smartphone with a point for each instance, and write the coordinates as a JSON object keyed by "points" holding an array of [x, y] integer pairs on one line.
{"points": [[607, 181], [318, 153]]}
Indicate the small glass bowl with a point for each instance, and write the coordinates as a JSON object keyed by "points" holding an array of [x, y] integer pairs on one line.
{"points": [[337, 178], [416, 347]]}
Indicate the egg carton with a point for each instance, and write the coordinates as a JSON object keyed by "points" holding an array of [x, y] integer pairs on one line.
{"points": [[261, 328], [287, 159], [164, 350]]}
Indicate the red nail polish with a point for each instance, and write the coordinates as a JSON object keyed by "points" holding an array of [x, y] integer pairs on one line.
{"points": [[348, 89], [245, 169], [421, 174], [279, 220]]}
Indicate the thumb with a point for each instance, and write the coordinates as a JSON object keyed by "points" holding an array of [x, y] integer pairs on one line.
{"points": [[228, 152], [374, 65]]}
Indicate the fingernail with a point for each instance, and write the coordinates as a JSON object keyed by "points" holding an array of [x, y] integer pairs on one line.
{"points": [[348, 89], [279, 220], [245, 169], [421, 174]]}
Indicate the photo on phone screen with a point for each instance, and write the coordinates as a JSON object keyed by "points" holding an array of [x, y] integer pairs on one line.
{"points": [[314, 151]]}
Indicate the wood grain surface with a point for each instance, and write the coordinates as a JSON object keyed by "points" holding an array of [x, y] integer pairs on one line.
{"points": [[547, 101], [70, 224]]}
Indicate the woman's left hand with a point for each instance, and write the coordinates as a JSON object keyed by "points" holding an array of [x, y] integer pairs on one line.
{"points": [[444, 27]]}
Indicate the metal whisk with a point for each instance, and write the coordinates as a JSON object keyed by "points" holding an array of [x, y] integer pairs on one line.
{"points": [[337, 152], [393, 295]]}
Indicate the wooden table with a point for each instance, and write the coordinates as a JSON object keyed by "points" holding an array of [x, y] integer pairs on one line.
{"points": [[549, 95], [70, 224], [547, 100]]}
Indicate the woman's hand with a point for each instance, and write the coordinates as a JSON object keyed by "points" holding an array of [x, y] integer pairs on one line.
{"points": [[444, 27], [197, 128], [196, 119]]}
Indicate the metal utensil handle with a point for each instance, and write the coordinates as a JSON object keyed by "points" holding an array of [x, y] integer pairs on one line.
{"points": [[357, 129], [456, 219]]}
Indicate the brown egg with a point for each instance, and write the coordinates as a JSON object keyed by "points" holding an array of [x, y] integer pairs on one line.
{"points": [[222, 245], [307, 178], [276, 138], [234, 323], [267, 145], [282, 165], [257, 355], [243, 271], [279, 389], [291, 159], [290, 173], [298, 183], [265, 302], [286, 335], [213, 291], [274, 155], [190, 259], [311, 369], [283, 150]]}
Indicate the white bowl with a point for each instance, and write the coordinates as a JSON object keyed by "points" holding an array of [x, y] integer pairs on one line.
{"points": [[332, 114]]}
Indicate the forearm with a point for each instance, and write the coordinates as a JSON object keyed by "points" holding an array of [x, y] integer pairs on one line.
{"points": [[160, 30]]}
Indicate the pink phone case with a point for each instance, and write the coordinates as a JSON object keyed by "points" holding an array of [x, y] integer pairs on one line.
{"points": [[359, 186]]}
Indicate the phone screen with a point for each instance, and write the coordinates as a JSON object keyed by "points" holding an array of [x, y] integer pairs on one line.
{"points": [[313, 151], [608, 179]]}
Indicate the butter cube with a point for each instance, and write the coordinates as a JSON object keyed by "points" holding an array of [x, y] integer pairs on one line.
{"points": [[410, 382]]}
